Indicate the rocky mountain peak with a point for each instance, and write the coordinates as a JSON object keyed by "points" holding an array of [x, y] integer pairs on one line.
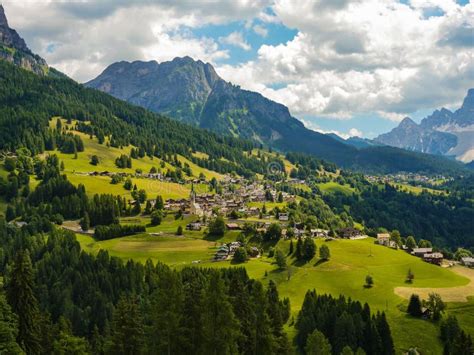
{"points": [[18, 52], [407, 122], [9, 37], [468, 102], [443, 132], [3, 18]]}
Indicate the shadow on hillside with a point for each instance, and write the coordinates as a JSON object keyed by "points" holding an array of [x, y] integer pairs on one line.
{"points": [[299, 263], [320, 262], [212, 238]]}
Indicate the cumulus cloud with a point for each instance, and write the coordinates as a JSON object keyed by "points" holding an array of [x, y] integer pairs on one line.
{"points": [[353, 57], [348, 58], [235, 39], [82, 38], [353, 132]]}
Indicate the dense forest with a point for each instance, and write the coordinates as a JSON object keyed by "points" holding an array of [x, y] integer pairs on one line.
{"points": [[62, 300], [27, 103]]}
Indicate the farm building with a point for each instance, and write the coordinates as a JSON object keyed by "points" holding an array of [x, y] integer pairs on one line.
{"points": [[420, 252], [383, 239], [468, 261], [232, 226], [433, 258], [195, 226], [349, 233]]}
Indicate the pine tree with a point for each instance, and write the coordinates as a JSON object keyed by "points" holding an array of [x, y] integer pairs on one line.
{"points": [[264, 341], [317, 344], [85, 222], [166, 313], [127, 335], [159, 204], [309, 249], [219, 325], [66, 343], [24, 303], [291, 247], [414, 306], [275, 313], [280, 259], [385, 334], [324, 252], [8, 329], [299, 249]]}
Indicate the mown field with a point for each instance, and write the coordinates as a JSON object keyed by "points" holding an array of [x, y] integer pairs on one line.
{"points": [[332, 187], [343, 274], [416, 189]]}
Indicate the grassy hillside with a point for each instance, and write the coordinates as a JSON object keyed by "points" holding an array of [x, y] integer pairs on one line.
{"points": [[77, 169], [332, 187], [344, 274]]}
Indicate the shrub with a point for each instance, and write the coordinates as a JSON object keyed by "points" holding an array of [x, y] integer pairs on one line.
{"points": [[156, 218], [240, 255]]}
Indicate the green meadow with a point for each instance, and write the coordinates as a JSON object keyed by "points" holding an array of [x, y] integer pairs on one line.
{"points": [[344, 273], [416, 189], [332, 187]]}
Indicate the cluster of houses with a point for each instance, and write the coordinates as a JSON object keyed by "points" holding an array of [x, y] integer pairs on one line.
{"points": [[206, 205], [427, 254], [405, 177], [227, 251]]}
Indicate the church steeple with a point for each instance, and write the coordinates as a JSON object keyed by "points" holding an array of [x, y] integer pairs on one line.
{"points": [[192, 195]]}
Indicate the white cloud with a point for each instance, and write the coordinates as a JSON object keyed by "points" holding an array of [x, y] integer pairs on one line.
{"points": [[260, 30], [89, 36], [365, 56], [392, 116], [349, 56], [235, 39], [354, 132]]}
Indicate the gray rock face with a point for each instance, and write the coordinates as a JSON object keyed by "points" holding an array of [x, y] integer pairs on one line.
{"points": [[443, 132], [192, 92], [14, 49], [178, 88]]}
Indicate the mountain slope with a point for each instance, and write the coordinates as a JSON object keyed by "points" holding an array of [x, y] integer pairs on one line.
{"points": [[443, 132], [192, 92]]}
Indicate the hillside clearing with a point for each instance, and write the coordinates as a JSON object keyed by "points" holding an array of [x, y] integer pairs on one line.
{"points": [[449, 294]]}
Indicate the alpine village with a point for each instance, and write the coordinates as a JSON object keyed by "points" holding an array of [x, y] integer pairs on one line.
{"points": [[159, 209]]}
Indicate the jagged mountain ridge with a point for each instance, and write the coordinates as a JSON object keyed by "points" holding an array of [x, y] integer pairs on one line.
{"points": [[443, 132], [13, 49], [192, 92]]}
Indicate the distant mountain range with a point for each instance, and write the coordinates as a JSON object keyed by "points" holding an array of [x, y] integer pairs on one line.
{"points": [[443, 132], [357, 142], [191, 91]]}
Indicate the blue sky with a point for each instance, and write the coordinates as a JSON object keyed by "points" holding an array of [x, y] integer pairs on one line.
{"points": [[349, 67]]}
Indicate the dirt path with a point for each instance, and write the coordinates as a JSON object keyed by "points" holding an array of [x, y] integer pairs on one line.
{"points": [[448, 294]]}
